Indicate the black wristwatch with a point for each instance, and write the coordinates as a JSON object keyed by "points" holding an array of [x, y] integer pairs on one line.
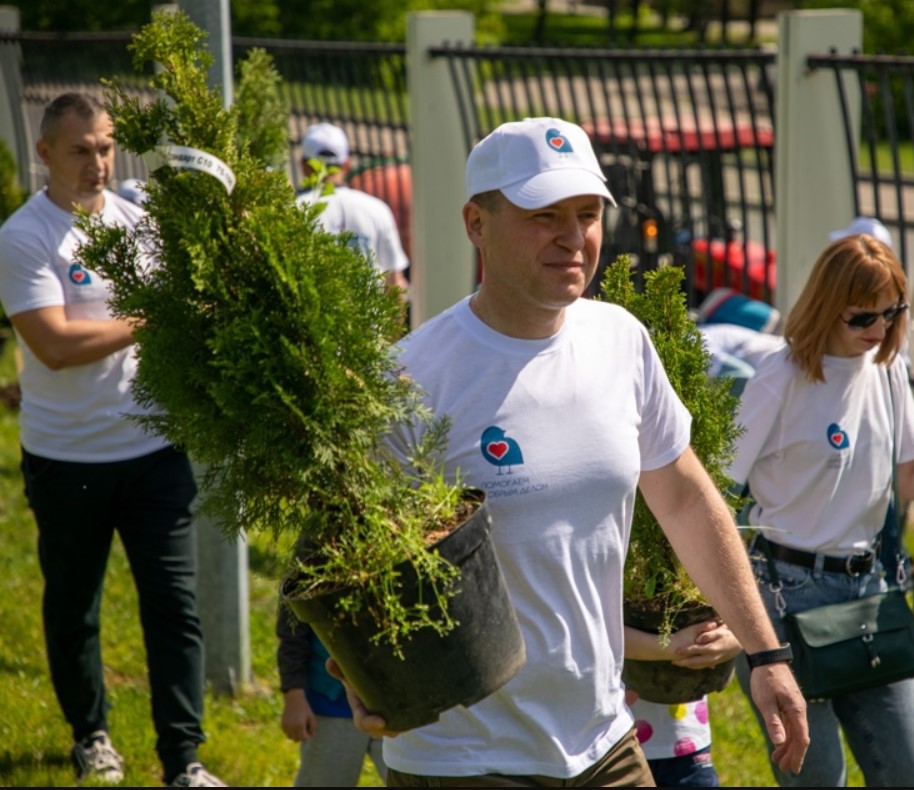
{"points": [[773, 656]]}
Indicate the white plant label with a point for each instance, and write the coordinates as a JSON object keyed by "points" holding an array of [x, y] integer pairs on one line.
{"points": [[183, 157]]}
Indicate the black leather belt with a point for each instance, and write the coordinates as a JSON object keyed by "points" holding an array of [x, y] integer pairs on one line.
{"points": [[852, 565]]}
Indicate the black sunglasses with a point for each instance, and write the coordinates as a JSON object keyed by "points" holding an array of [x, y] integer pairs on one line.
{"points": [[864, 320]]}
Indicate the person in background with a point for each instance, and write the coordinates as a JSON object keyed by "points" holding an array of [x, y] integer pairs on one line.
{"points": [[578, 385], [676, 737], [738, 332], [823, 418], [134, 190], [367, 218], [869, 225], [315, 711], [89, 469]]}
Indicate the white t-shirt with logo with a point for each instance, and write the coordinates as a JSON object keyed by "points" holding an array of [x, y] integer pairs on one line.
{"points": [[556, 432], [818, 456], [78, 413], [368, 218]]}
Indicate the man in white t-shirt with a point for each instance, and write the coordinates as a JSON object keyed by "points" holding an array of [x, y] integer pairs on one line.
{"points": [[368, 220], [577, 384], [89, 468]]}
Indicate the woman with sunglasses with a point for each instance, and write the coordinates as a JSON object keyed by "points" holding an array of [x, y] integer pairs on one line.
{"points": [[820, 427]]}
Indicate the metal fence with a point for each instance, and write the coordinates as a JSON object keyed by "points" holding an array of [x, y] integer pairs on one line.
{"points": [[686, 137], [686, 140], [881, 152]]}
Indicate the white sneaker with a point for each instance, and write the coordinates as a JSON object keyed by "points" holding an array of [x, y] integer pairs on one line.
{"points": [[95, 758], [196, 775]]}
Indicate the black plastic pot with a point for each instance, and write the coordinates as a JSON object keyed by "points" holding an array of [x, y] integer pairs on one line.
{"points": [[661, 681], [482, 653]]}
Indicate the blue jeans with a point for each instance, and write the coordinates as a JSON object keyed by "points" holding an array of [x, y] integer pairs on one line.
{"points": [[687, 770], [878, 723]]}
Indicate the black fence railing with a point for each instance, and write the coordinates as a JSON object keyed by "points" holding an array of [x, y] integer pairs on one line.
{"points": [[361, 88], [881, 150], [358, 86], [686, 140], [686, 137]]}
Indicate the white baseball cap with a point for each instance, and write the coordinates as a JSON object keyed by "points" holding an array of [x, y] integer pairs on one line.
{"points": [[326, 142], [869, 225], [536, 162]]}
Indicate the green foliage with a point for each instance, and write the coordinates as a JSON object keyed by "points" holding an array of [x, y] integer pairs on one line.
{"points": [[262, 113], [12, 195], [82, 15], [652, 570], [886, 23], [267, 342], [310, 20]]}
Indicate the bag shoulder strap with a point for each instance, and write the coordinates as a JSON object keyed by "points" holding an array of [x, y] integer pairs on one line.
{"points": [[890, 535]]}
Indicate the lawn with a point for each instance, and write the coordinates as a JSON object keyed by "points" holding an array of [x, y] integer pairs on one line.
{"points": [[245, 745]]}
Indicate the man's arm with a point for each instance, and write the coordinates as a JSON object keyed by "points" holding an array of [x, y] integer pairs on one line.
{"points": [[701, 530], [61, 343]]}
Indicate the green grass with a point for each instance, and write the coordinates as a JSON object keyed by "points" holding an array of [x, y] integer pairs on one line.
{"points": [[592, 30], [245, 745], [884, 161]]}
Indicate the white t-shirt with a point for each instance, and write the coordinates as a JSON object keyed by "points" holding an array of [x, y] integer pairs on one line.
{"points": [[368, 218], [557, 432], [748, 345], [77, 413], [818, 456], [675, 730]]}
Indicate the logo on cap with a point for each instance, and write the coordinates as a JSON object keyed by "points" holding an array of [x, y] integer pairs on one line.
{"points": [[557, 142]]}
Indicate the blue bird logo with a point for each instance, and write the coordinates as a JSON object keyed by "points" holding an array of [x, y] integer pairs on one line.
{"points": [[499, 450], [557, 142]]}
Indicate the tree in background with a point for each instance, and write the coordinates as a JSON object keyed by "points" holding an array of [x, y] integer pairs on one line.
{"points": [[887, 24], [12, 195], [312, 20], [82, 15]]}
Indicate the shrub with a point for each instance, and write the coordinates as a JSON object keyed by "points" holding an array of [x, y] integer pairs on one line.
{"points": [[654, 576], [268, 342]]}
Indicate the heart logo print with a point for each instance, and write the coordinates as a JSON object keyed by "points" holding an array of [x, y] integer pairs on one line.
{"points": [[558, 142], [837, 437], [78, 275], [497, 449]]}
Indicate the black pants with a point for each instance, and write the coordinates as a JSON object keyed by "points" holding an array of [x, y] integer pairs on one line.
{"points": [[78, 507]]}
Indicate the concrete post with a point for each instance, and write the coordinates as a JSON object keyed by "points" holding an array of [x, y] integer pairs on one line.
{"points": [[214, 17], [813, 181], [442, 267], [222, 584], [223, 602], [13, 129]]}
